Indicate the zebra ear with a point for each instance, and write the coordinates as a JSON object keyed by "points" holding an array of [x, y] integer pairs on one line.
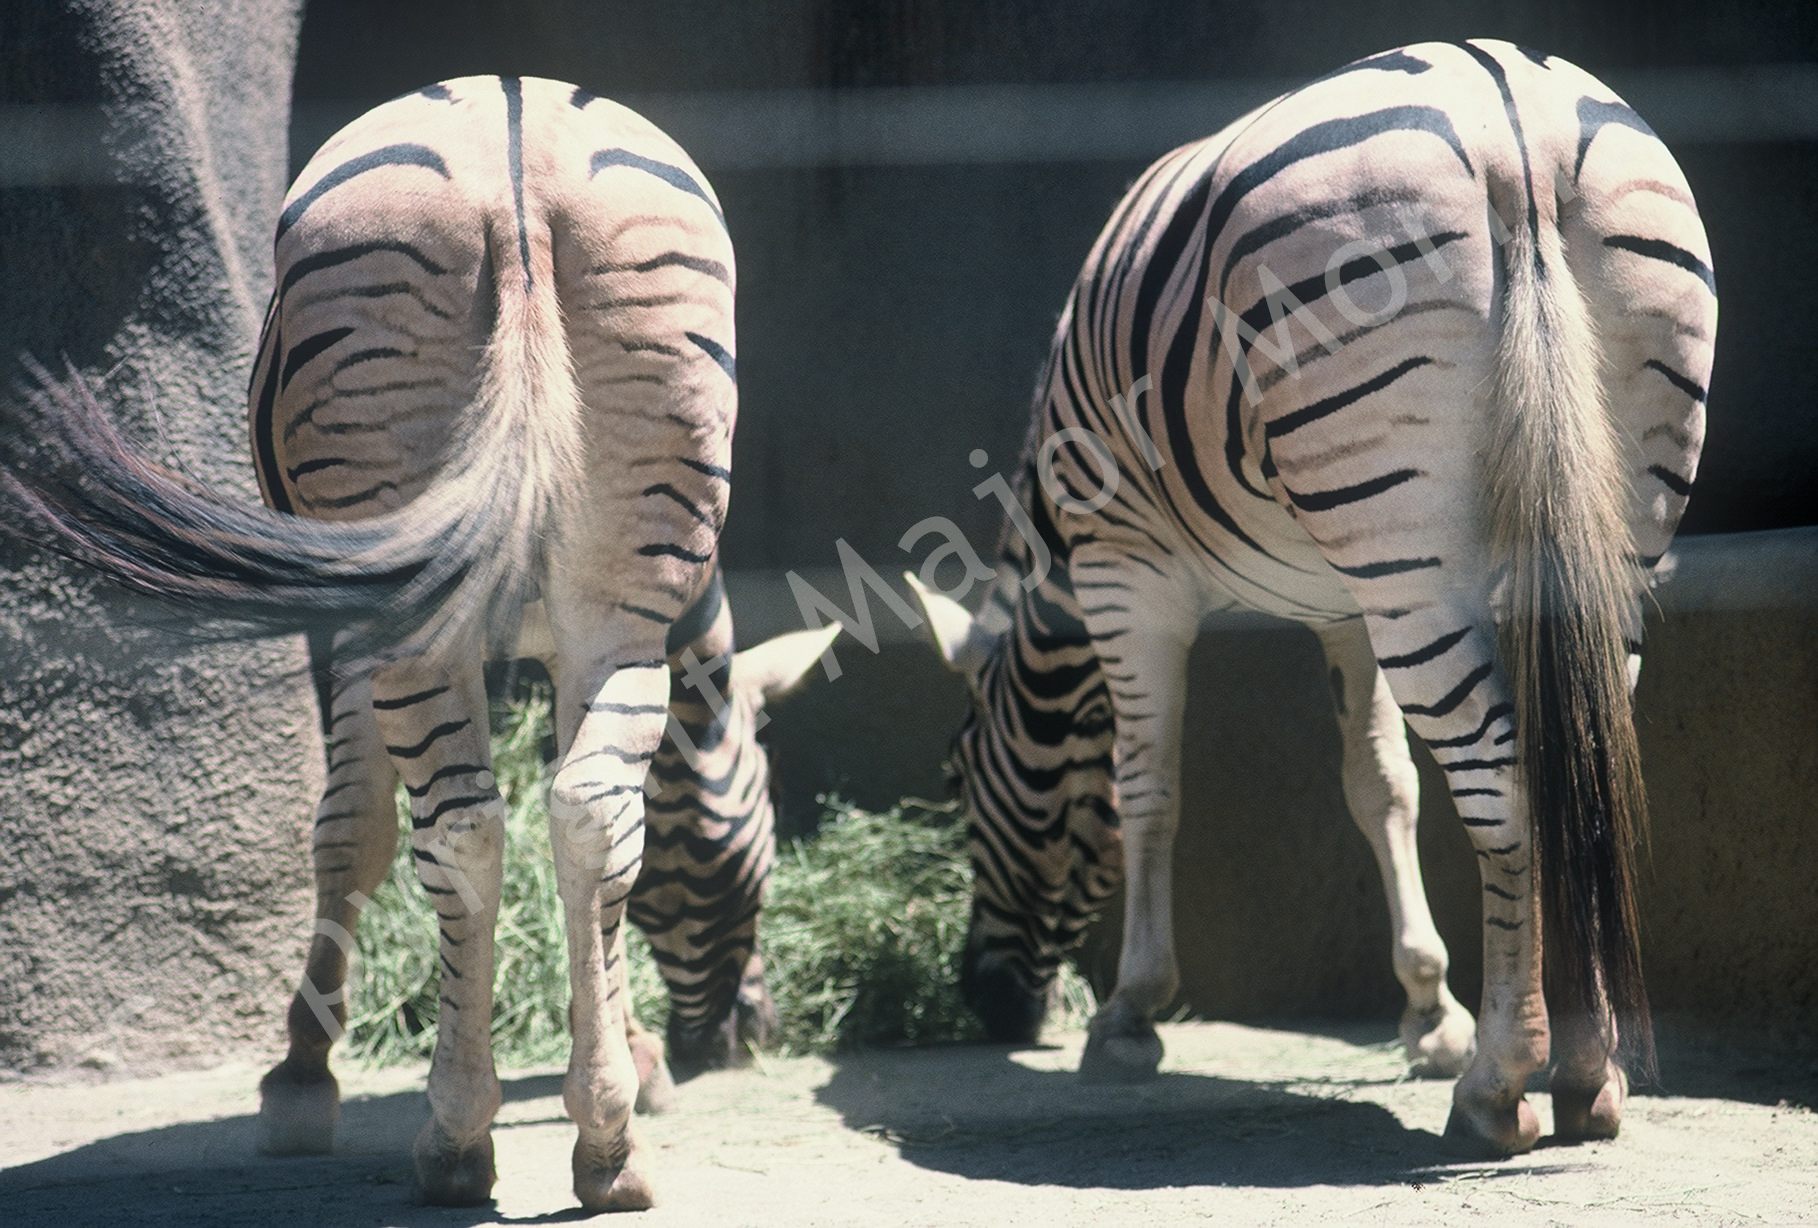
{"points": [[777, 666], [963, 641]]}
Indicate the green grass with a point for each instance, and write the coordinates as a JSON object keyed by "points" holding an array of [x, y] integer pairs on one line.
{"points": [[862, 932]]}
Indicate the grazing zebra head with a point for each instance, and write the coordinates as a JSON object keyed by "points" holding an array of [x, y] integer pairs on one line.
{"points": [[1033, 762], [711, 840]]}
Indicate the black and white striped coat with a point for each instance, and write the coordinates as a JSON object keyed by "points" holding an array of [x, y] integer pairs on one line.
{"points": [[499, 364], [1453, 443]]}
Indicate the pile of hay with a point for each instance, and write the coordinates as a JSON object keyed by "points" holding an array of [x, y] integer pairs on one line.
{"points": [[863, 927]]}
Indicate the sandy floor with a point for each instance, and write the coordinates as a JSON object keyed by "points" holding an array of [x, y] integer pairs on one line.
{"points": [[1245, 1126]]}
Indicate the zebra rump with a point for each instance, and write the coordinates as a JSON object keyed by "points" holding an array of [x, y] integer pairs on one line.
{"points": [[455, 562]]}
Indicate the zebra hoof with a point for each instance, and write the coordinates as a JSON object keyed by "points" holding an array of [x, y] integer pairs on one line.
{"points": [[1003, 995], [1440, 1041], [756, 1012], [1582, 1112], [1496, 1134], [1121, 1047], [656, 1086], [706, 1047], [299, 1108], [612, 1177], [450, 1174]]}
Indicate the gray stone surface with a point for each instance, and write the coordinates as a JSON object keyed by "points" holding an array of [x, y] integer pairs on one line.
{"points": [[154, 792]]}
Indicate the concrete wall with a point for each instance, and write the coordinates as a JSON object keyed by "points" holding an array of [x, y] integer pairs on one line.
{"points": [[1279, 909], [154, 794]]}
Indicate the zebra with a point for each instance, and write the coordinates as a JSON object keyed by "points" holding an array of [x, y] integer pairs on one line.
{"points": [[492, 415], [1416, 355]]}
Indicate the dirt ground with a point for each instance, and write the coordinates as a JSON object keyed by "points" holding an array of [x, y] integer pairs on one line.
{"points": [[1245, 1125]]}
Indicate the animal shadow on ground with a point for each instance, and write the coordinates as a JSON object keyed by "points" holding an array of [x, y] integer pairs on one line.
{"points": [[976, 1112], [208, 1173]]}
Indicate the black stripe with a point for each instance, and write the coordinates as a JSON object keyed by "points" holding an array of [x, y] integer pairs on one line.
{"points": [[317, 261], [307, 349], [1328, 405], [1177, 364], [1689, 387], [1325, 500], [1474, 765], [1496, 713], [718, 353], [1594, 115], [670, 492], [700, 264], [439, 732], [358, 497], [392, 705], [442, 773], [712, 471], [1307, 290], [388, 155], [699, 618], [1454, 697], [674, 176], [1387, 567], [580, 98], [1501, 78], [1660, 249], [1256, 239], [264, 443], [671, 550], [1672, 481], [1329, 136], [453, 803], [1420, 656], [314, 466], [514, 152]]}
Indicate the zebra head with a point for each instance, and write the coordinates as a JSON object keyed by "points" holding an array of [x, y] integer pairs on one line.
{"points": [[710, 841], [1033, 762]]}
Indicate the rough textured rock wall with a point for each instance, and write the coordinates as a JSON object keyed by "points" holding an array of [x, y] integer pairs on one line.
{"points": [[154, 792]]}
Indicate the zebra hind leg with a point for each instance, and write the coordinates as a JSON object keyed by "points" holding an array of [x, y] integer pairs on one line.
{"points": [[1382, 790], [434, 723], [356, 834], [609, 721]]}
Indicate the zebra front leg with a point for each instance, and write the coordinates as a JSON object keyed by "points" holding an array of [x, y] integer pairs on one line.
{"points": [[1382, 790], [1145, 665], [356, 835], [596, 826], [434, 723]]}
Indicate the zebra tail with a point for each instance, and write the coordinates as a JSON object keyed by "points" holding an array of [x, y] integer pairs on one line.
{"points": [[1556, 508], [455, 563], [501, 495]]}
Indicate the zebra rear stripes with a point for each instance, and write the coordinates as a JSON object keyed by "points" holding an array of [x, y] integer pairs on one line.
{"points": [[500, 359], [1342, 356]]}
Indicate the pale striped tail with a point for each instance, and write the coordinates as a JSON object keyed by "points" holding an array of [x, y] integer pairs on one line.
{"points": [[452, 566], [1556, 501]]}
